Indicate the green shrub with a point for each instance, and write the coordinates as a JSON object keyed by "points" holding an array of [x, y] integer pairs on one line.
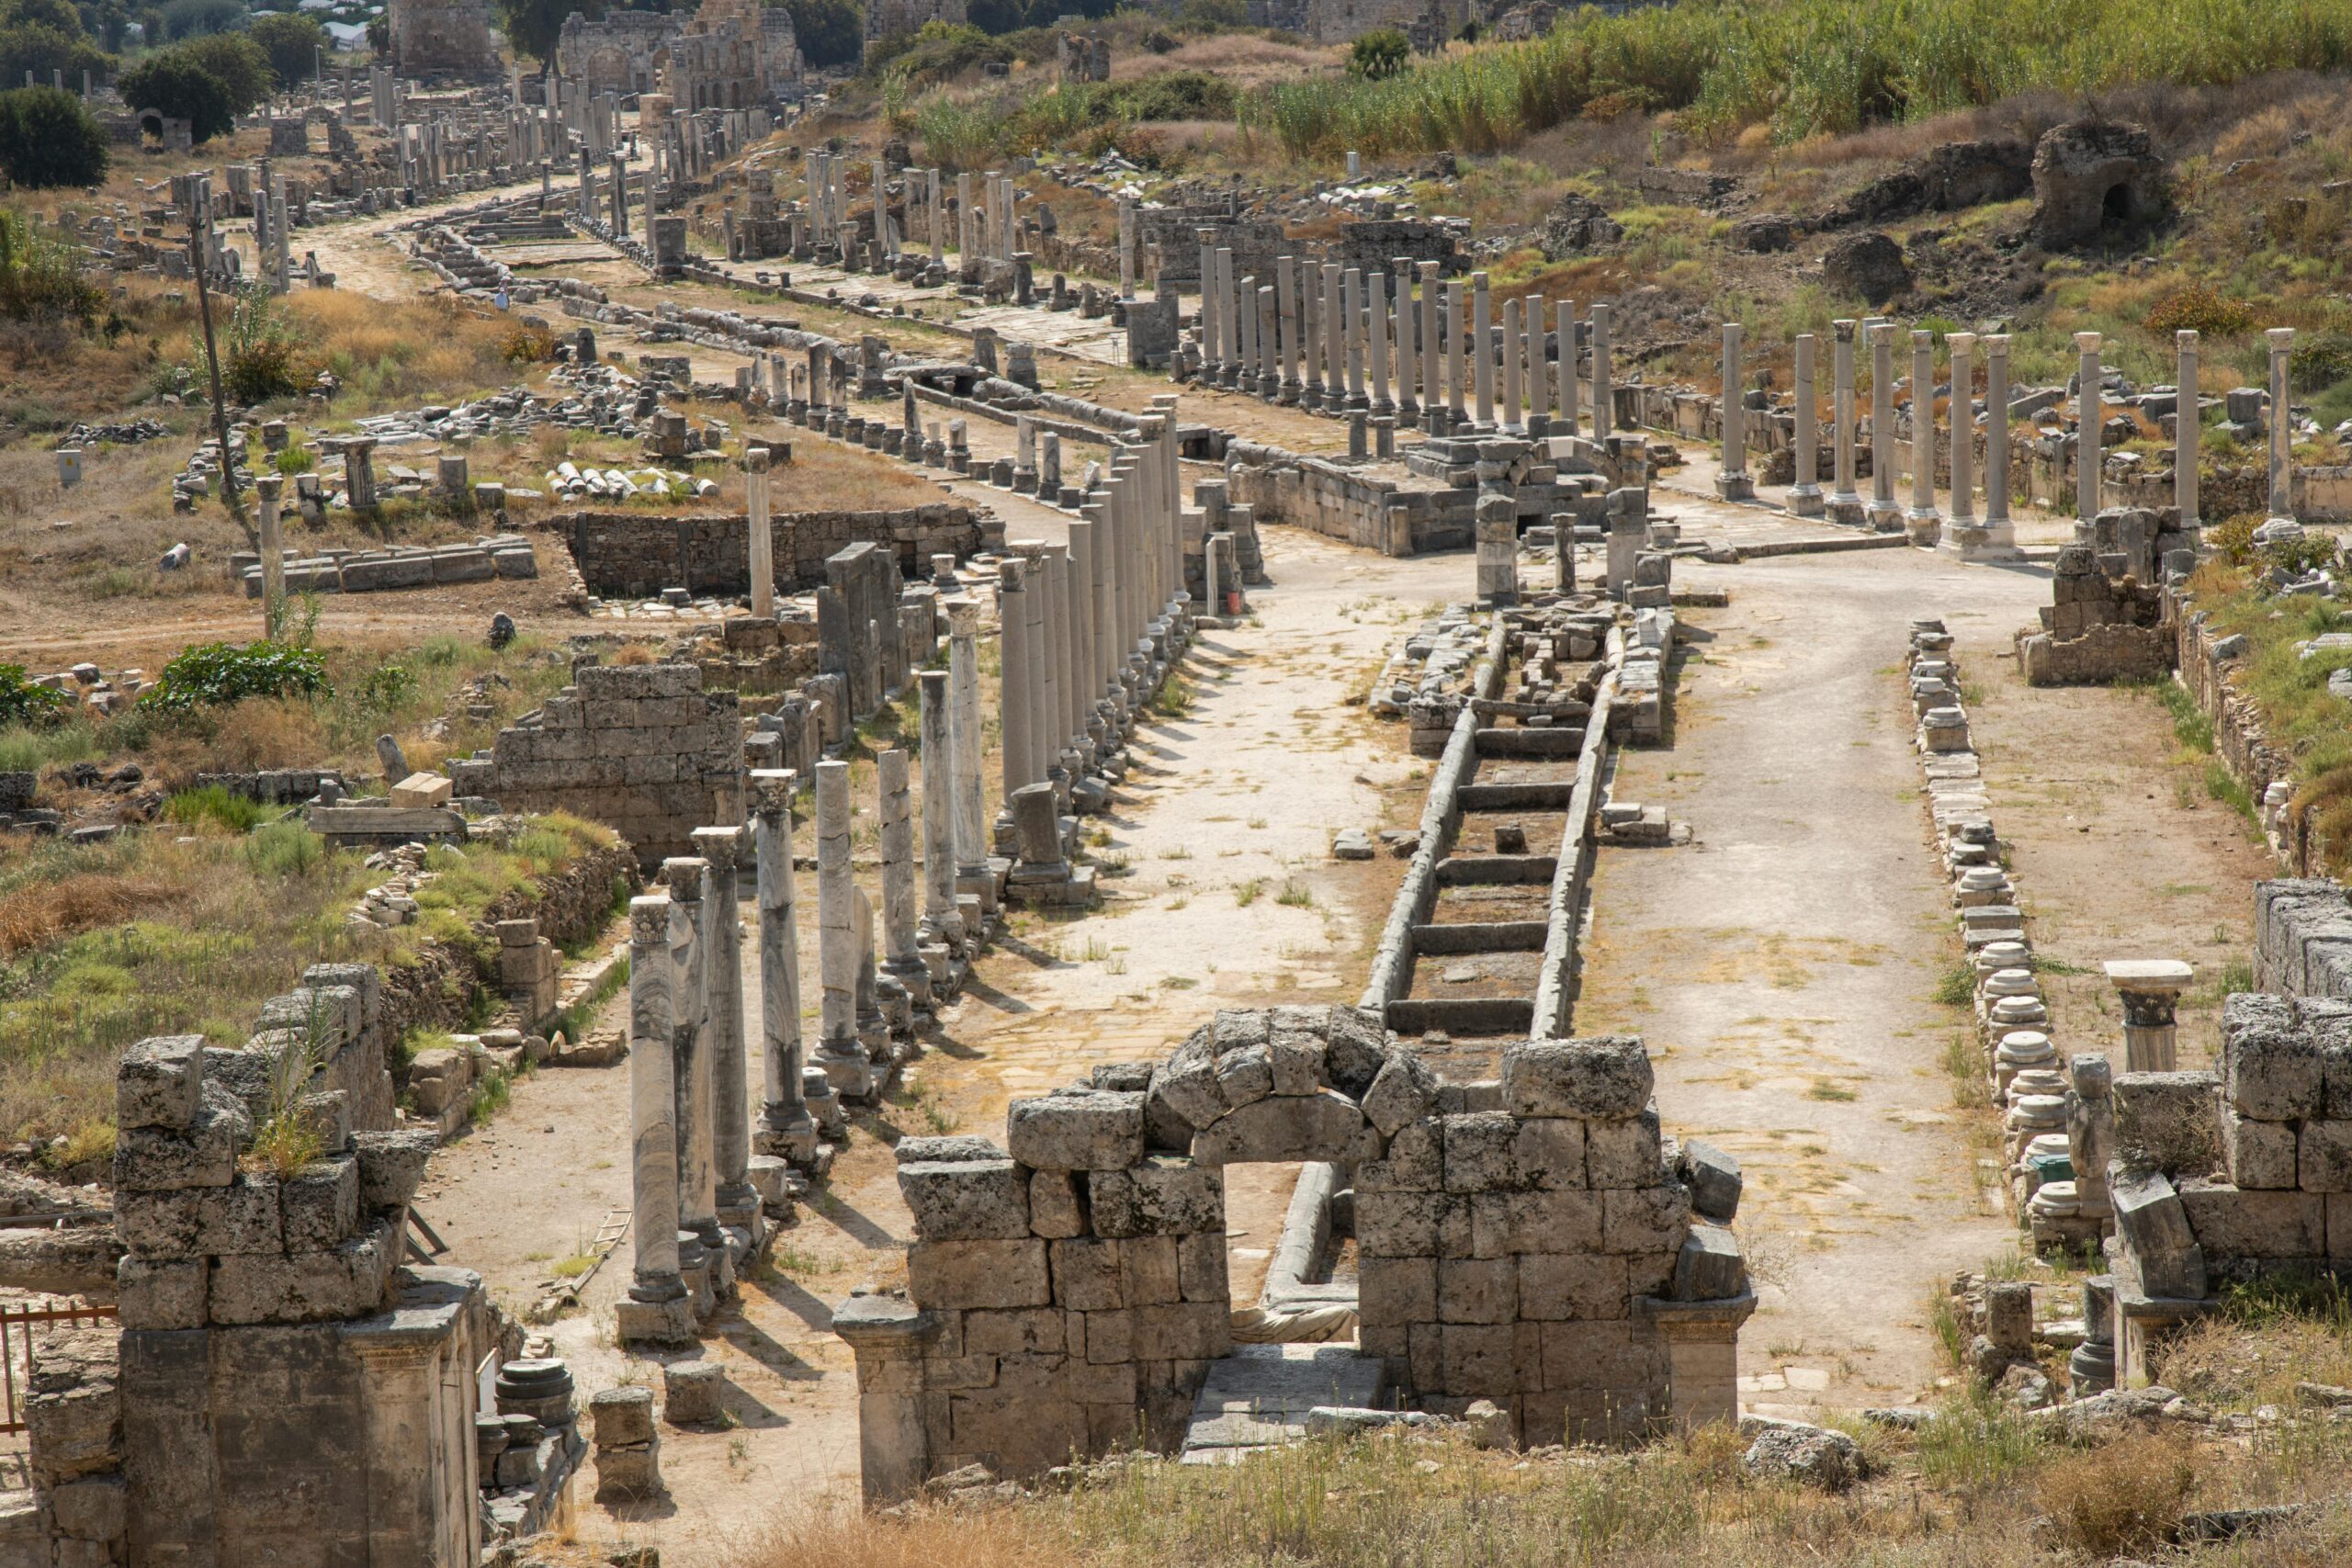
{"points": [[49, 139], [2318, 362], [387, 687], [41, 277], [284, 849], [215, 804], [2199, 309], [216, 674], [22, 703], [263, 356], [1382, 52], [294, 460]]}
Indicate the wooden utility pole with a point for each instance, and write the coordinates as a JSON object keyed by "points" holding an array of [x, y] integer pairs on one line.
{"points": [[195, 256]]}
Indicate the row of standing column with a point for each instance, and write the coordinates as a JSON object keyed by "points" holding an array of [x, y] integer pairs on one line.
{"points": [[1347, 340]]}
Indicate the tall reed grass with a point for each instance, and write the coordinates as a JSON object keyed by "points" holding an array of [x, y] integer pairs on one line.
{"points": [[1804, 68]]}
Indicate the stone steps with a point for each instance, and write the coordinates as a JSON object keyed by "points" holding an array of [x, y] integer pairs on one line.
{"points": [[1258, 1397]]}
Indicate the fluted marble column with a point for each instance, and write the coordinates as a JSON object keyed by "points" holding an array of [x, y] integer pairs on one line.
{"points": [[722, 850], [1805, 496], [654, 1103], [1923, 515], [1884, 515], [786, 1127], [942, 922], [1844, 500]]}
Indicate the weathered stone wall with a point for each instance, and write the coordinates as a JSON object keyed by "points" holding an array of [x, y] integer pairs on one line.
{"points": [[288, 1390], [623, 555], [2099, 629], [441, 38], [1428, 23], [1330, 499], [642, 748], [1524, 1242]]}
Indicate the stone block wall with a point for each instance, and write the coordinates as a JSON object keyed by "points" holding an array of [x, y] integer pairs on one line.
{"points": [[642, 748], [1526, 1241], [2098, 629], [2302, 938], [288, 1390], [629, 556], [1375, 512]]}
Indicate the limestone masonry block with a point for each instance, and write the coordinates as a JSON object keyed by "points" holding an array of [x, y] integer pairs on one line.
{"points": [[390, 1167], [1320, 1127], [971, 1200], [1413, 1162], [1402, 1090], [2165, 1121], [1627, 1152], [422, 790], [2326, 1157], [1081, 1129], [159, 1083], [1714, 1177], [1609, 1075], [1054, 1211], [621, 1416], [148, 1160], [2271, 1067], [1162, 1196], [2257, 1154], [979, 1273]]}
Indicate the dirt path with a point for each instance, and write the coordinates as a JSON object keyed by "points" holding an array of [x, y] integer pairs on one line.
{"points": [[1781, 968], [1227, 896], [2116, 849]]}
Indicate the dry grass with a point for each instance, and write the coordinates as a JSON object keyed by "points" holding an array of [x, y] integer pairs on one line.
{"points": [[34, 916], [1391, 1503], [2127, 1496]]}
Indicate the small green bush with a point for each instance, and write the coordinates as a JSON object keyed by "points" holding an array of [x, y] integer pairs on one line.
{"points": [[2199, 309], [212, 804], [284, 849], [41, 277], [216, 674], [22, 703], [1383, 52], [294, 460], [387, 687]]}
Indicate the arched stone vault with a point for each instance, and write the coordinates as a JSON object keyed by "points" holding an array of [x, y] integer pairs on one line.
{"points": [[1531, 1240]]}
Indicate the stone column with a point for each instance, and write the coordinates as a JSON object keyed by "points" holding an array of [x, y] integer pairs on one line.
{"points": [[1310, 335], [847, 1067], [1376, 315], [688, 877], [1270, 365], [1352, 312], [1127, 248], [964, 736], [1999, 532], [1482, 349], [1209, 350], [1245, 316], [267, 490], [2150, 991], [1805, 496], [1882, 513], [2282, 470], [1012, 663], [942, 922], [653, 1108], [1336, 339], [1604, 387], [786, 1127], [1498, 557], [1286, 324], [722, 942], [1733, 483], [2185, 432], [1563, 367], [936, 218], [1923, 515], [1045, 691], [1085, 667], [2089, 433], [755, 496], [1408, 358], [1432, 349], [902, 937], [1457, 358], [964, 220], [1964, 534], [1514, 415], [1229, 329], [1845, 501]]}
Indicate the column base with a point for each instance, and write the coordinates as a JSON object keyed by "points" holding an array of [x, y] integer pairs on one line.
{"points": [[848, 1068], [1734, 487], [655, 1323], [1806, 501], [1846, 511], [1055, 885], [1883, 516], [1975, 541]]}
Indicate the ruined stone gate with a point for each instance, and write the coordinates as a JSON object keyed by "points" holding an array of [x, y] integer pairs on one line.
{"points": [[1531, 1240]]}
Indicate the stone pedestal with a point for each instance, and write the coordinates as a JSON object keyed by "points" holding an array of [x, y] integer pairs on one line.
{"points": [[1498, 527], [1042, 875]]}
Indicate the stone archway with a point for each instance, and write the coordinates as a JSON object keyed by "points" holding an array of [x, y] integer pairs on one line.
{"points": [[1527, 1240]]}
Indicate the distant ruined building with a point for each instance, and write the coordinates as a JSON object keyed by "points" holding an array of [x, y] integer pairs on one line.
{"points": [[441, 38], [730, 54], [900, 19]]}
